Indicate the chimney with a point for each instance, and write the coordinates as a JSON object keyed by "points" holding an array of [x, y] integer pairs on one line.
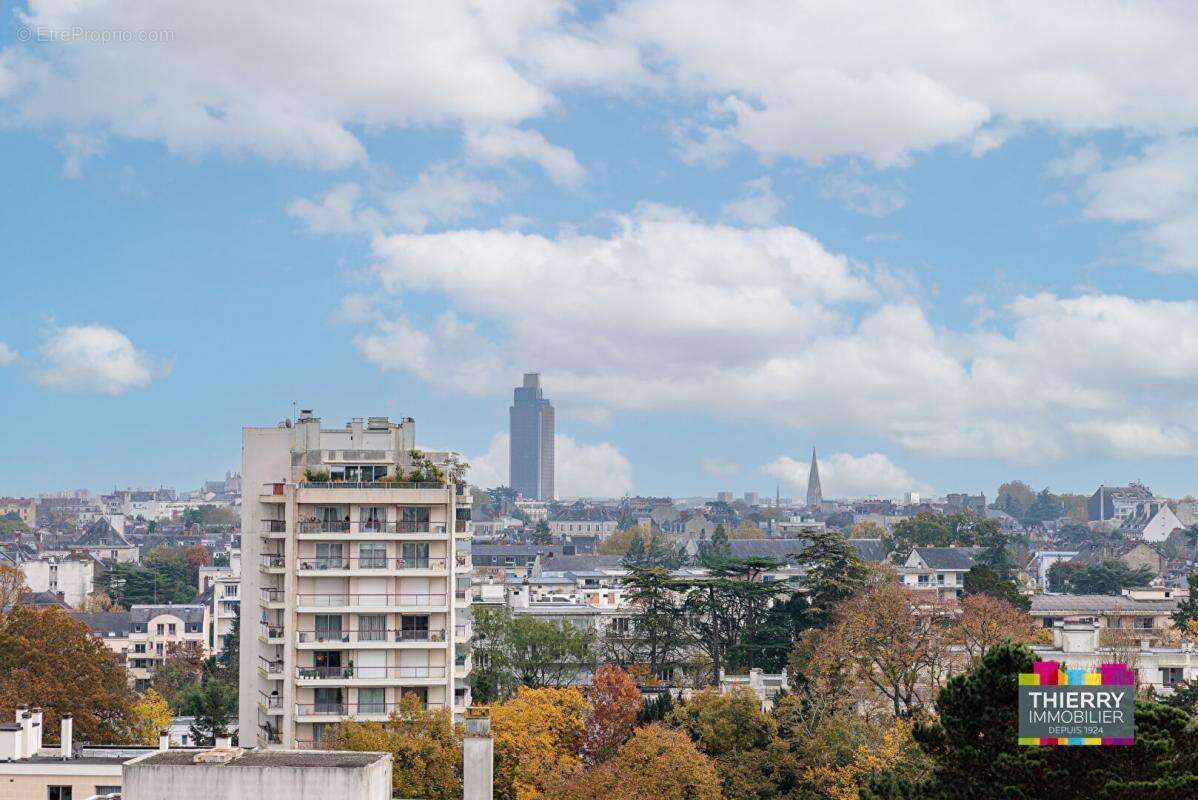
{"points": [[26, 734], [164, 740], [66, 745], [37, 731], [224, 741], [478, 756]]}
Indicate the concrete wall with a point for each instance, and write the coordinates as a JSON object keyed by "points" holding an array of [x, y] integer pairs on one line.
{"points": [[207, 781]]}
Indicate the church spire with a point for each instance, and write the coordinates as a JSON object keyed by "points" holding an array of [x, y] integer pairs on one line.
{"points": [[815, 495]]}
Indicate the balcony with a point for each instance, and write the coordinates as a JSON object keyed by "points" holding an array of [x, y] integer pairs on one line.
{"points": [[355, 709], [269, 561], [271, 596], [371, 485], [272, 633], [368, 673], [270, 701], [274, 526], [405, 600], [271, 666], [461, 526], [366, 563], [368, 636], [272, 492]]}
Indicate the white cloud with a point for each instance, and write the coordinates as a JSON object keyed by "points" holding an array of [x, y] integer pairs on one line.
{"points": [[94, 359], [881, 83], [7, 355], [440, 195], [581, 470], [666, 312], [302, 82], [759, 207], [844, 475], [496, 145], [863, 196], [1157, 191], [718, 468]]}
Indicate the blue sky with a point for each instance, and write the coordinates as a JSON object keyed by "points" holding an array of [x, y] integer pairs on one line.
{"points": [[943, 269]]}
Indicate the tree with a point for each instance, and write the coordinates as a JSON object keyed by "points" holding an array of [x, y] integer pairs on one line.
{"points": [[986, 621], [1047, 506], [196, 556], [163, 577], [181, 670], [892, 639], [1110, 576], [12, 586], [973, 743], [752, 761], [151, 715], [614, 703], [712, 553], [214, 705], [537, 736], [657, 763], [855, 752], [929, 529], [228, 663], [50, 659], [98, 603], [1014, 498], [866, 529], [618, 543], [982, 579], [655, 634], [541, 534], [746, 530], [1187, 610], [834, 573], [518, 650], [425, 748], [1060, 576]]}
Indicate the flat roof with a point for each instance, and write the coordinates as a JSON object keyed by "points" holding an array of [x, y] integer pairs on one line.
{"points": [[338, 759]]}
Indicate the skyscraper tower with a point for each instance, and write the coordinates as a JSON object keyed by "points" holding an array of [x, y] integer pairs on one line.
{"points": [[530, 454], [815, 495]]}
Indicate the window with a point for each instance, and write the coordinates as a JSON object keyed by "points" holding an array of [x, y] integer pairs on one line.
{"points": [[161, 629], [328, 627], [371, 518], [372, 556], [372, 628], [1172, 675], [170, 629], [328, 556], [414, 628], [108, 789], [58, 792], [415, 514], [371, 701], [328, 701], [415, 555]]}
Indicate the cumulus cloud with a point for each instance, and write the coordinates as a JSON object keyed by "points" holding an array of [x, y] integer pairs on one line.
{"points": [[94, 359], [844, 475], [7, 355], [718, 468], [309, 86], [760, 206], [581, 470], [668, 312], [497, 145], [440, 195]]}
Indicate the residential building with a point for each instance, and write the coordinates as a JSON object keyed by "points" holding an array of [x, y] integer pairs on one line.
{"points": [[23, 507], [359, 590], [71, 577], [1083, 645], [1117, 616], [224, 610], [1116, 503], [111, 627], [939, 568], [106, 543], [1152, 521], [1043, 560], [725, 497], [815, 494], [752, 498], [966, 503], [531, 449], [29, 770], [155, 630], [592, 519], [234, 773]]}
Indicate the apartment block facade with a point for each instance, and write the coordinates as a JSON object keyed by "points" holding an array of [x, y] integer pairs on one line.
{"points": [[355, 578]]}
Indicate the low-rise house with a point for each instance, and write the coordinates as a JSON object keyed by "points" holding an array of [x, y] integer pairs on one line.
{"points": [[939, 568], [1117, 616], [105, 543], [598, 521], [156, 630]]}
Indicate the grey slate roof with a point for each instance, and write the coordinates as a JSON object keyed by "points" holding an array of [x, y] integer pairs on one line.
{"points": [[101, 534], [948, 558], [580, 563], [1098, 604], [187, 613], [872, 550], [106, 624]]}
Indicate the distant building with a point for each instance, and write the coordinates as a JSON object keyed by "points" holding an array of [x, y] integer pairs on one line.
{"points": [[939, 568], [1116, 503], [154, 630], [598, 521], [23, 507], [966, 503], [724, 497], [111, 627], [752, 498], [73, 578], [531, 450], [815, 495]]}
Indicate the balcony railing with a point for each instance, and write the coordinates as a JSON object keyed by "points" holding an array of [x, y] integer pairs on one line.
{"points": [[271, 667], [272, 631], [329, 600], [360, 527], [461, 594], [371, 485], [271, 595], [270, 700], [273, 560], [273, 488], [461, 631], [459, 526], [369, 562], [274, 526], [389, 635], [354, 709], [368, 672]]}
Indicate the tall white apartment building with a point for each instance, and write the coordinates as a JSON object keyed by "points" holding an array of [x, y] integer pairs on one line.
{"points": [[355, 578]]}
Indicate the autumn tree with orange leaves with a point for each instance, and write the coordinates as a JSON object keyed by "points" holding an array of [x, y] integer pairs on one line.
{"points": [[538, 736], [657, 762], [51, 660], [986, 621], [614, 704]]}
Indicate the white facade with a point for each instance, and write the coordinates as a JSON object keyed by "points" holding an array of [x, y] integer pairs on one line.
{"points": [[155, 630], [355, 589], [73, 577]]}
